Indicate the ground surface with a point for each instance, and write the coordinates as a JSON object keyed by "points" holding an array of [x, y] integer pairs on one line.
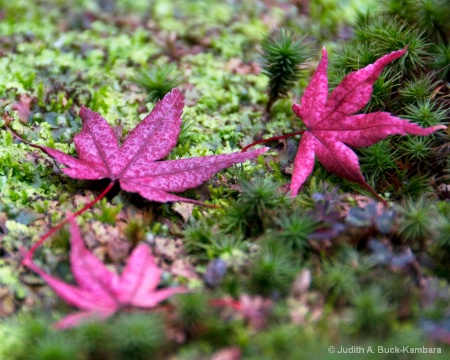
{"points": [[269, 276]]}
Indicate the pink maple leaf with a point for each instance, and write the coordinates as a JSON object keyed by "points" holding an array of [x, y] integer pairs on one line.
{"points": [[135, 163], [331, 125], [100, 292]]}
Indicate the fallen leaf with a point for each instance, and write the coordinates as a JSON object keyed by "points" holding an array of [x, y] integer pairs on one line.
{"points": [[184, 209], [254, 310], [100, 292], [237, 66], [168, 249], [117, 250], [182, 268], [23, 108], [134, 164], [301, 283], [331, 125], [7, 303]]}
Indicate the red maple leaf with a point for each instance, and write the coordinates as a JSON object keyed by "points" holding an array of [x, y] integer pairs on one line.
{"points": [[134, 164], [331, 125], [101, 292]]}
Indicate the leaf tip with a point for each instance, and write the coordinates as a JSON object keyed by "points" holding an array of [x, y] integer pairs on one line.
{"points": [[175, 91], [296, 108], [293, 190], [439, 127], [84, 112]]}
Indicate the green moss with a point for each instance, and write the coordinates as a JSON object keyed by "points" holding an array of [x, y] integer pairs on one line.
{"points": [[89, 53]]}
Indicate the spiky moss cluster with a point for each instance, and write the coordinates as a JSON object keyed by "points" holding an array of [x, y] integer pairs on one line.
{"points": [[141, 336], [265, 240], [255, 235], [410, 88], [424, 226], [378, 287], [59, 76], [283, 56], [128, 336], [158, 81]]}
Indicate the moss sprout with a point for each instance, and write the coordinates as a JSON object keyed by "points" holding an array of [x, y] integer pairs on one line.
{"points": [[417, 89], [158, 81], [136, 336], [55, 347], [338, 280], [294, 230], [108, 212], [441, 59], [416, 224], [371, 313], [95, 339], [379, 274], [272, 271], [283, 55], [191, 310]]}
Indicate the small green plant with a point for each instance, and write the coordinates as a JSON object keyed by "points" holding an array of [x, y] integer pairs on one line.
{"points": [[441, 60], [135, 231], [277, 342], [55, 346], [417, 89], [272, 271], [385, 34], [137, 226], [371, 313], [191, 310], [440, 248], [136, 336], [283, 56], [109, 212], [377, 160], [95, 339], [412, 187], [428, 14], [417, 222], [237, 220], [294, 229], [249, 214], [426, 112], [198, 236], [158, 81], [417, 149], [61, 239], [225, 245], [338, 280]]}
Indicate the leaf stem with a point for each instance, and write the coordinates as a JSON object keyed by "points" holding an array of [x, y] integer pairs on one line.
{"points": [[374, 193], [272, 139], [60, 225], [18, 137]]}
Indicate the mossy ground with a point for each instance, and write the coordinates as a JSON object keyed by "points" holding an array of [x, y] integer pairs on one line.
{"points": [[293, 276]]}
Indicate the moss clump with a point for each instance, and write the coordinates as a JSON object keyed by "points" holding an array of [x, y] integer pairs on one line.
{"points": [[263, 271]]}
